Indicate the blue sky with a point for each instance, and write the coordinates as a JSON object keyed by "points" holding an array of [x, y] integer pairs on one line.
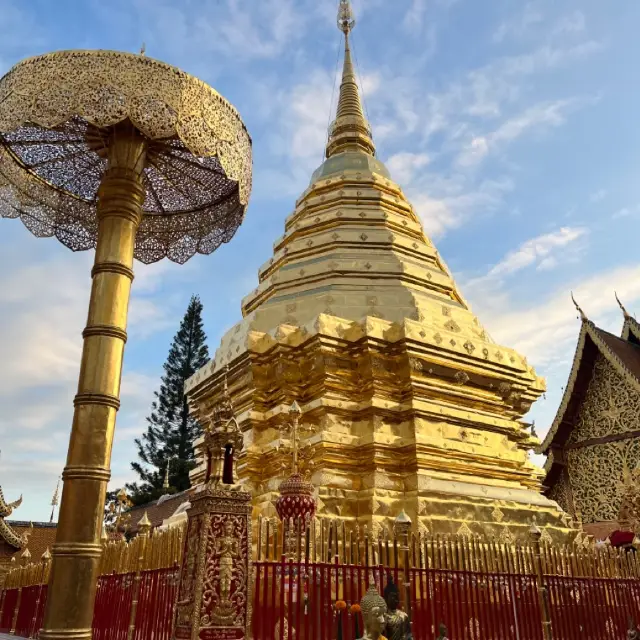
{"points": [[511, 126]]}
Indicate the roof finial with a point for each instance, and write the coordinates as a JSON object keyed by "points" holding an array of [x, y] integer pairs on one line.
{"points": [[625, 313], [583, 316], [346, 19], [349, 131], [54, 500], [165, 482]]}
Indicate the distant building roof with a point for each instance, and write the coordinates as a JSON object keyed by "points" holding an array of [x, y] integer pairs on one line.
{"points": [[39, 538], [158, 510]]}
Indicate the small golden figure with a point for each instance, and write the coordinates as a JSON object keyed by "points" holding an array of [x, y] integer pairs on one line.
{"points": [[227, 547]]}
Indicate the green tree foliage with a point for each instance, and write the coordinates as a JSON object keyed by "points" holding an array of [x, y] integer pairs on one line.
{"points": [[170, 431]]}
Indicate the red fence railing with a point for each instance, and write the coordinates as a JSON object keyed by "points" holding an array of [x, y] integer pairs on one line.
{"points": [[302, 596], [112, 612], [157, 593], [156, 601], [472, 604], [9, 602], [592, 607], [475, 604]]}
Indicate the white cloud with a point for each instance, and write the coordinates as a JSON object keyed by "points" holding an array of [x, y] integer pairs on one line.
{"points": [[598, 195], [537, 251], [488, 89], [627, 212], [572, 23], [247, 31], [474, 152], [444, 204], [404, 165], [44, 303], [531, 22], [545, 114], [546, 332], [517, 27], [298, 134]]}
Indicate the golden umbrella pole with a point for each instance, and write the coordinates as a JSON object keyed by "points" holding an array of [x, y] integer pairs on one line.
{"points": [[78, 546], [137, 159]]}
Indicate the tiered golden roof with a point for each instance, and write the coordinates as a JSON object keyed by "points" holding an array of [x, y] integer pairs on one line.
{"points": [[357, 317]]}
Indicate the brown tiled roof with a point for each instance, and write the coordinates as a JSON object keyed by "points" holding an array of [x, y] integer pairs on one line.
{"points": [[158, 510], [627, 352], [42, 537]]}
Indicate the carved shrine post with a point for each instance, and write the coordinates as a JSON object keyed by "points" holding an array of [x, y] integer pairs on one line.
{"points": [[214, 597], [214, 601]]}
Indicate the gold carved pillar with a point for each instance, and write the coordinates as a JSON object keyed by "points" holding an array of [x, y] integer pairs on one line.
{"points": [[78, 547]]}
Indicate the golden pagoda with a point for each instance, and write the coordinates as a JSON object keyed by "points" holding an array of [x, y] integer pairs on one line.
{"points": [[408, 402]]}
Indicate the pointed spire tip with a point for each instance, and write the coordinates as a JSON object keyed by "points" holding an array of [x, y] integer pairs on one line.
{"points": [[346, 19], [350, 130], [583, 316], [625, 313]]}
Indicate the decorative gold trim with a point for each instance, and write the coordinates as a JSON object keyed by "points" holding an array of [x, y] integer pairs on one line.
{"points": [[630, 327], [568, 390]]}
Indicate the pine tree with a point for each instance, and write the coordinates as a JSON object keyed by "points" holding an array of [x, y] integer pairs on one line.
{"points": [[170, 431]]}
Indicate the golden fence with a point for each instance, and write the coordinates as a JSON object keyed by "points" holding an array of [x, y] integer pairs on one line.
{"points": [[325, 540], [162, 549], [28, 575]]}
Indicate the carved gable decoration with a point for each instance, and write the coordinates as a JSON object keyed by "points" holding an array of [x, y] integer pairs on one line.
{"points": [[610, 410], [611, 406]]}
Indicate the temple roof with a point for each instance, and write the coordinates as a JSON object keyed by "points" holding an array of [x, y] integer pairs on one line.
{"points": [[19, 541], [40, 536], [158, 510], [631, 330], [624, 356]]}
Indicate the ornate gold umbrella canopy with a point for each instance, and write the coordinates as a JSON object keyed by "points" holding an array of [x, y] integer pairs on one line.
{"points": [[138, 159], [58, 115]]}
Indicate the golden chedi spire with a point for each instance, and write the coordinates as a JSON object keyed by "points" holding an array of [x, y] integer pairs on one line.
{"points": [[349, 131], [407, 402]]}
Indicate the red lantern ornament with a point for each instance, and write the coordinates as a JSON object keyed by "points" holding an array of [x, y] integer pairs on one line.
{"points": [[296, 500]]}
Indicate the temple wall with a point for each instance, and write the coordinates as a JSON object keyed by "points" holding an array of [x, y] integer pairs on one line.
{"points": [[599, 452], [561, 493]]}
